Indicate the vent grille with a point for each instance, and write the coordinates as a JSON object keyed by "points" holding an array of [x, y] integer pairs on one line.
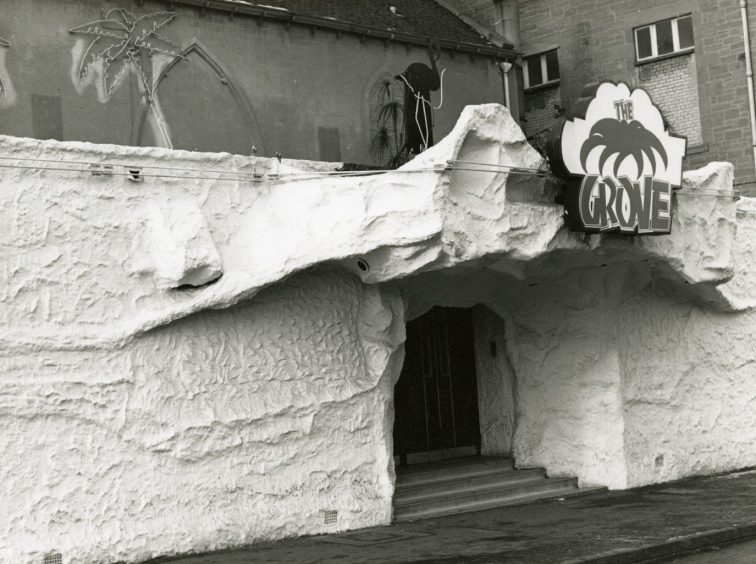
{"points": [[53, 558], [134, 173], [330, 517], [101, 169]]}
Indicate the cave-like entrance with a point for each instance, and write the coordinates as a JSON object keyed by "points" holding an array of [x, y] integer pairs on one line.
{"points": [[436, 397]]}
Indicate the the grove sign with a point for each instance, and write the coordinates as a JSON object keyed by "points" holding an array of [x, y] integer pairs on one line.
{"points": [[626, 162]]}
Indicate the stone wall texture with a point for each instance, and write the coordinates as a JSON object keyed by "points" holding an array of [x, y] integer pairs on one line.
{"points": [[205, 357]]}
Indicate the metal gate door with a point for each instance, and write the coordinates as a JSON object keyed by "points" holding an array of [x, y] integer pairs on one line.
{"points": [[436, 398]]}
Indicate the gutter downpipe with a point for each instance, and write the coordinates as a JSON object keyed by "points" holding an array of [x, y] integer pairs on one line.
{"points": [[505, 68], [749, 75]]}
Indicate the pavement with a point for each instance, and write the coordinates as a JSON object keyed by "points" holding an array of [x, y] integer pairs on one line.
{"points": [[659, 523], [741, 553]]}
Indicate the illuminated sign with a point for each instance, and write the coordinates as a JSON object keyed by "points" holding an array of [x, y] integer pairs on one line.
{"points": [[628, 161]]}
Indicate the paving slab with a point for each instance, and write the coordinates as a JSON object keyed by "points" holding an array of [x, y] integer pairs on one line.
{"points": [[644, 524]]}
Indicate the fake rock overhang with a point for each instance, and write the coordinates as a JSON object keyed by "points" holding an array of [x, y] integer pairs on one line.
{"points": [[94, 259]]}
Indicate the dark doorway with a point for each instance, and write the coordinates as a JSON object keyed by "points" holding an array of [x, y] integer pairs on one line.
{"points": [[436, 397]]}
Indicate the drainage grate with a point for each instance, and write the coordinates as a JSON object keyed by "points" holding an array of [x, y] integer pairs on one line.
{"points": [[330, 516], [53, 558]]}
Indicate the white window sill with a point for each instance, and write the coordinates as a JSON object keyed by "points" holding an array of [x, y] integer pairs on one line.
{"points": [[687, 51]]}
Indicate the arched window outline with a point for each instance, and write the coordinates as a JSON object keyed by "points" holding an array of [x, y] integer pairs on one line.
{"points": [[248, 114]]}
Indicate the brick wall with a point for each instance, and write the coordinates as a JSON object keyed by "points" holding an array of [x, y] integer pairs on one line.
{"points": [[595, 40], [540, 113], [673, 85]]}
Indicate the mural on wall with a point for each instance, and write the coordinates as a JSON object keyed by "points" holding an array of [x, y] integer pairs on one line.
{"points": [[7, 94], [122, 43], [419, 81]]}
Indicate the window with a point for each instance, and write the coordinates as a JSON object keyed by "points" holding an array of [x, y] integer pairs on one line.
{"points": [[664, 38], [541, 69]]}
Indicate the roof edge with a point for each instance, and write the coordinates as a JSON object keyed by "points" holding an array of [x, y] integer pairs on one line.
{"points": [[495, 38], [288, 17]]}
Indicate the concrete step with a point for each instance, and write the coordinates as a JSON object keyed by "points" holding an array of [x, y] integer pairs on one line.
{"points": [[494, 478], [473, 484], [451, 470], [503, 492], [415, 513]]}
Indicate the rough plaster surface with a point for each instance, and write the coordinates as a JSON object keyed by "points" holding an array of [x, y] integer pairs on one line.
{"points": [[688, 387], [614, 367], [138, 421], [560, 347], [496, 384], [221, 429]]}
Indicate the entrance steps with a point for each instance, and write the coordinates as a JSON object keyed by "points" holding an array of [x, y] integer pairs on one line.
{"points": [[473, 484]]}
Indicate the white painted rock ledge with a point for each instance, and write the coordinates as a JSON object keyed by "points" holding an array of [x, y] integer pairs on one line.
{"points": [[205, 358]]}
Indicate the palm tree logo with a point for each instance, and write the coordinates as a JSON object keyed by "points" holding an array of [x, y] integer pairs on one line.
{"points": [[124, 42], [624, 139]]}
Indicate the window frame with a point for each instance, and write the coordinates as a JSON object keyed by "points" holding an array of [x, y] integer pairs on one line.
{"points": [[544, 70], [676, 49]]}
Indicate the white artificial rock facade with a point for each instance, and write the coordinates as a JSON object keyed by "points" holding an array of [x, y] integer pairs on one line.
{"points": [[222, 428], [200, 360]]}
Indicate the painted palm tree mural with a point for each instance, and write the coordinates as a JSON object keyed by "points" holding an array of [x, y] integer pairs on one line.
{"points": [[122, 43], [625, 139]]}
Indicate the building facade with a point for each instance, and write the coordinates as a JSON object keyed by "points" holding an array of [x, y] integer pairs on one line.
{"points": [[301, 79], [202, 350], [688, 54]]}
